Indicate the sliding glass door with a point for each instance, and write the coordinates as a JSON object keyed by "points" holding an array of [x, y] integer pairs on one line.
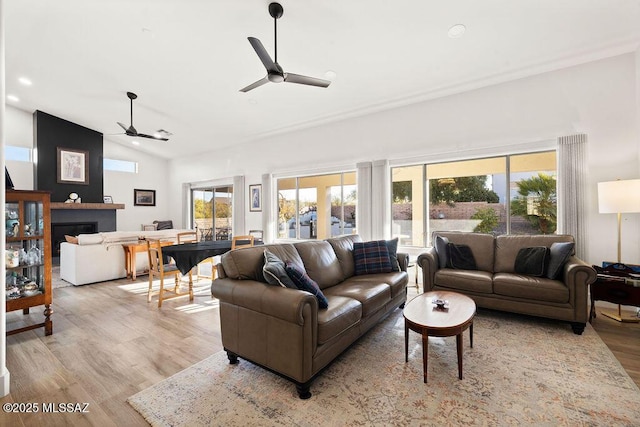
{"points": [[212, 213]]}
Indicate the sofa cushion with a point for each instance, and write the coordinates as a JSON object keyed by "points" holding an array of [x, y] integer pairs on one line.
{"points": [[532, 261], [371, 257], [320, 262], [90, 239], [305, 283], [342, 314], [440, 243], [529, 287], [274, 272], [460, 257], [507, 247], [71, 239], [373, 295], [481, 245], [559, 254], [343, 248], [396, 280], [465, 280]]}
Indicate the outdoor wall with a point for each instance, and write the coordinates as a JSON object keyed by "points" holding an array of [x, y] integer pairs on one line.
{"points": [[596, 98]]}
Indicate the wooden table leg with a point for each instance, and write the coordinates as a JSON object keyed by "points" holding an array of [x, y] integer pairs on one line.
{"points": [[132, 263], [406, 341], [459, 345], [425, 355], [471, 334]]}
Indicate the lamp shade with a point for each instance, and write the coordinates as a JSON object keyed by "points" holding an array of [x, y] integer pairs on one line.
{"points": [[619, 196]]}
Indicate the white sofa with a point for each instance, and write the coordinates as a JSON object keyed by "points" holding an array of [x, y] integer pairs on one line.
{"points": [[99, 257]]}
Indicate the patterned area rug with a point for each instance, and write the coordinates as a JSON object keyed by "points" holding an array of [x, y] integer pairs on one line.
{"points": [[521, 371]]}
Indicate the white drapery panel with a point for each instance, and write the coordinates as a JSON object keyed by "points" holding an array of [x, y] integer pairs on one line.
{"points": [[380, 200], [363, 215], [269, 211], [240, 206], [572, 168]]}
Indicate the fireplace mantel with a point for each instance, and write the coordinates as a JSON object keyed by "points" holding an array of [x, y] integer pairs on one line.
{"points": [[110, 206]]}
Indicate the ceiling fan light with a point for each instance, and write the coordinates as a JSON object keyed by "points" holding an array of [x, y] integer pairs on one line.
{"points": [[456, 31]]}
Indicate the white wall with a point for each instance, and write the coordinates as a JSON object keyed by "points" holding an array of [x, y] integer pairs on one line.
{"points": [[19, 133], [597, 98], [152, 175]]}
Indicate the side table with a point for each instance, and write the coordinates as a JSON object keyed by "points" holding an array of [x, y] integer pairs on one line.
{"points": [[614, 289]]}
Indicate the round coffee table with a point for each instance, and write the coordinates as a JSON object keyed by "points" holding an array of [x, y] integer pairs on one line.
{"points": [[424, 317]]}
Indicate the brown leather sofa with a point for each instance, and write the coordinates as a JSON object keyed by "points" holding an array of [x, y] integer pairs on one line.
{"points": [[283, 329], [495, 285]]}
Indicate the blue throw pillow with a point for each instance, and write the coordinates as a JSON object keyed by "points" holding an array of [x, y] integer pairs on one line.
{"points": [[392, 247], [442, 250], [532, 261], [559, 254], [274, 272], [305, 283], [371, 257]]}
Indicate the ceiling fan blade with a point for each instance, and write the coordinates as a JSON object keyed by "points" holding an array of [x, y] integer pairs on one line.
{"points": [[123, 126], [255, 84], [305, 80], [144, 135], [263, 55]]}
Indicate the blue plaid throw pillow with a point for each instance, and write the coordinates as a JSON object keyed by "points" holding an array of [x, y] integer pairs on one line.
{"points": [[371, 257], [305, 283]]}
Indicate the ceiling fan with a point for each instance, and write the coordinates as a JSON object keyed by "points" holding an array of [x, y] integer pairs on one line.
{"points": [[160, 135], [275, 74]]}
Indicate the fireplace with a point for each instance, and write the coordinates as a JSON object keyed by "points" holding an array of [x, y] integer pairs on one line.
{"points": [[59, 230]]}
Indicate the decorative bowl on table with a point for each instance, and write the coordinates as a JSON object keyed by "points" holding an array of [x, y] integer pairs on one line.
{"points": [[440, 304]]}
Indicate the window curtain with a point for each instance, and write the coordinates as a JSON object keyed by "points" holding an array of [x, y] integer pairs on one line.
{"points": [[572, 167], [363, 214], [269, 213], [240, 206], [381, 200]]}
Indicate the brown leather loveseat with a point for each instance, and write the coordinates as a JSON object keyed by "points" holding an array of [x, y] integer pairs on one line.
{"points": [[283, 329], [495, 284]]}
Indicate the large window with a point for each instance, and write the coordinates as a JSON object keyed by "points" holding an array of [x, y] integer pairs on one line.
{"points": [[317, 207], [508, 194], [212, 212]]}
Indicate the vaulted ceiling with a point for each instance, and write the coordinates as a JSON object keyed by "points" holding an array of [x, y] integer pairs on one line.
{"points": [[187, 59]]}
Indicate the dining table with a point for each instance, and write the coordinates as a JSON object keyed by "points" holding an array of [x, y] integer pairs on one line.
{"points": [[188, 255]]}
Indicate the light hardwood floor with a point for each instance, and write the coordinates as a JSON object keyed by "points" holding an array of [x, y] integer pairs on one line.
{"points": [[109, 343]]}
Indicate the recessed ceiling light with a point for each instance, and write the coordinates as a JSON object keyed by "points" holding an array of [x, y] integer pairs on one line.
{"points": [[134, 142], [25, 81], [13, 98], [456, 31], [330, 74]]}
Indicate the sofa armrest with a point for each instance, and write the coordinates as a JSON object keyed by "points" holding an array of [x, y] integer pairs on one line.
{"points": [[403, 260], [283, 303], [577, 275], [428, 262]]}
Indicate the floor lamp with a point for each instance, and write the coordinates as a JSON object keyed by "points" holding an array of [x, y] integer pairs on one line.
{"points": [[622, 196]]}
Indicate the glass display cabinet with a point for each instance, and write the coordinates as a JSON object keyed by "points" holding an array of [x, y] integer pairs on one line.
{"points": [[28, 255]]}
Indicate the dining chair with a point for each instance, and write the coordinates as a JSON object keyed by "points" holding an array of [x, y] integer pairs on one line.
{"points": [[241, 242], [158, 269], [192, 237]]}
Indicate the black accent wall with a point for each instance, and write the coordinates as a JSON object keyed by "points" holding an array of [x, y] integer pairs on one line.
{"points": [[49, 133]]}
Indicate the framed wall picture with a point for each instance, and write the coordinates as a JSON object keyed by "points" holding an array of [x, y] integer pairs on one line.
{"points": [[255, 198], [107, 199], [144, 197], [73, 166]]}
